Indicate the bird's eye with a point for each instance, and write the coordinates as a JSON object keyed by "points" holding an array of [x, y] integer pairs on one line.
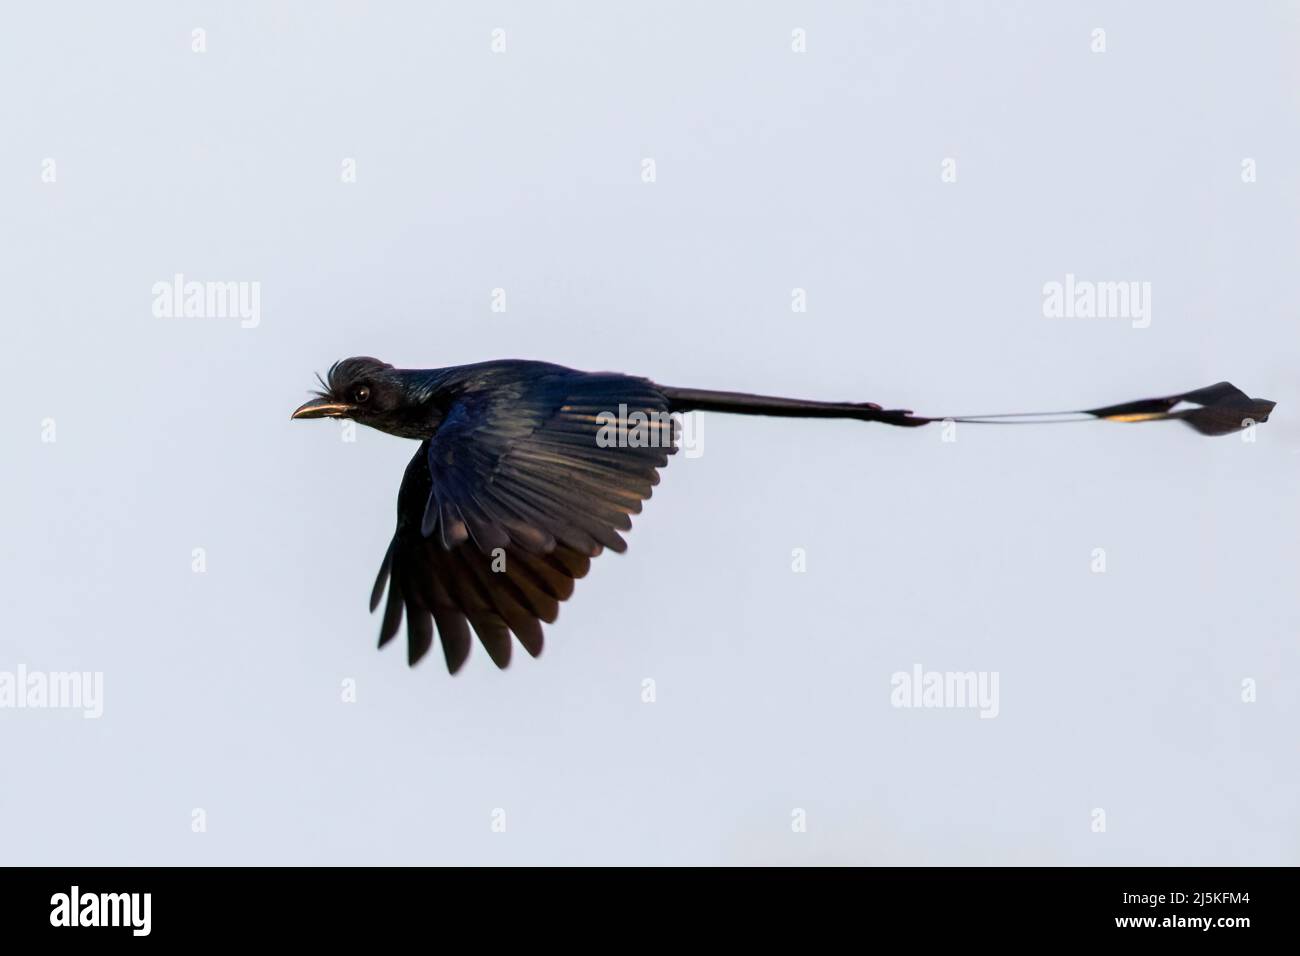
{"points": [[360, 394]]}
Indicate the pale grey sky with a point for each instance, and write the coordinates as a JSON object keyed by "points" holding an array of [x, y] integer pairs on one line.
{"points": [[774, 171]]}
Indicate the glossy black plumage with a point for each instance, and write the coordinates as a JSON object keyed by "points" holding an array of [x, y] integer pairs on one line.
{"points": [[526, 471], [506, 505]]}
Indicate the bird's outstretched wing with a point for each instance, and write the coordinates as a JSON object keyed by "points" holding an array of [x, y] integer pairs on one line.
{"points": [[505, 506]]}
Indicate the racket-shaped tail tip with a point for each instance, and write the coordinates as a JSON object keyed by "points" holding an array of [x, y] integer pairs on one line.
{"points": [[1224, 420], [1219, 409]]}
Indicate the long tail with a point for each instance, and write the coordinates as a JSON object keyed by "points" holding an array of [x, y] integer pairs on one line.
{"points": [[1214, 410]]}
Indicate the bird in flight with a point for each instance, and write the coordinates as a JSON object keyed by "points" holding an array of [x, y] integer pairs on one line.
{"points": [[527, 470]]}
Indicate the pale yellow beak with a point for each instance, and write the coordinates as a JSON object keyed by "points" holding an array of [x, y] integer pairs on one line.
{"points": [[321, 408]]}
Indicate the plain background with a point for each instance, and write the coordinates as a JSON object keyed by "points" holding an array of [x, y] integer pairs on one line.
{"points": [[775, 170]]}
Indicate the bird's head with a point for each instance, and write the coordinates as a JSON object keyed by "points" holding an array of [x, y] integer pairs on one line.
{"points": [[370, 392]]}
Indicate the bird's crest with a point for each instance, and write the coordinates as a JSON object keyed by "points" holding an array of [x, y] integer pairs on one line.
{"points": [[346, 371]]}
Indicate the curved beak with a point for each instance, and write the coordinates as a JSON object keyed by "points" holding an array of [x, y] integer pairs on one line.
{"points": [[321, 408]]}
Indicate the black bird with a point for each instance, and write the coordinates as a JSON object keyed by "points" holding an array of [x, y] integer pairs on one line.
{"points": [[527, 470]]}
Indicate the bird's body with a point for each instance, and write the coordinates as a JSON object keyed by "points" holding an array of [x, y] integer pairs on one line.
{"points": [[509, 495], [527, 470]]}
